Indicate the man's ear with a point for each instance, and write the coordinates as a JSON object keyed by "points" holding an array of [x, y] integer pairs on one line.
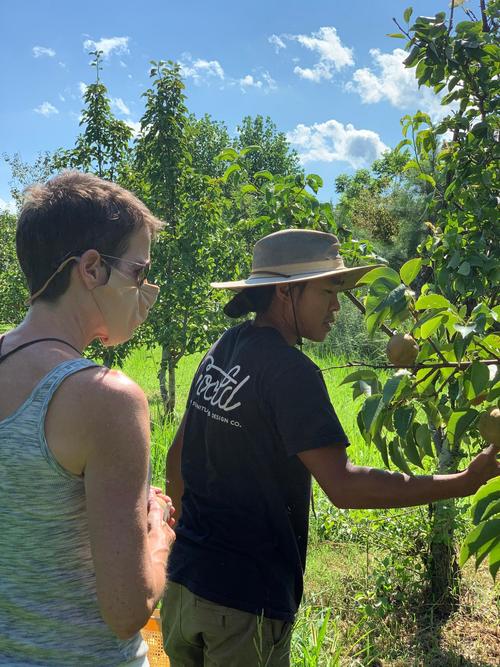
{"points": [[283, 292], [92, 270]]}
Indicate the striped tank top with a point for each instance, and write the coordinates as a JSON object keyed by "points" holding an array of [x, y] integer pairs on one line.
{"points": [[49, 614]]}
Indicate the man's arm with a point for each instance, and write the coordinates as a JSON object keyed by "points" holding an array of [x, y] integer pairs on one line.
{"points": [[174, 484], [129, 545], [357, 487]]}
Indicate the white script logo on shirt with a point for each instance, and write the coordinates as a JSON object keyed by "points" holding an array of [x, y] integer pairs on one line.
{"points": [[218, 387]]}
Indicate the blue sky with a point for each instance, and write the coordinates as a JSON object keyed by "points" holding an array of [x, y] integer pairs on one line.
{"points": [[325, 71]]}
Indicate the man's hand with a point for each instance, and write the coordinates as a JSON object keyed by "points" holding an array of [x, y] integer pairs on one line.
{"points": [[482, 468]]}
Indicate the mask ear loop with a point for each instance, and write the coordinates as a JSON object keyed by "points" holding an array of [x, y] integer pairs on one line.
{"points": [[42, 289]]}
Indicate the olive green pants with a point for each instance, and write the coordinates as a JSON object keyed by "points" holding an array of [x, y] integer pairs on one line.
{"points": [[200, 633]]}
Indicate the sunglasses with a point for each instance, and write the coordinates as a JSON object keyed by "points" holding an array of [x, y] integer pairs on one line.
{"points": [[141, 271]]}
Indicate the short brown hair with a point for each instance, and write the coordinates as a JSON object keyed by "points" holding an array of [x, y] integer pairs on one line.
{"points": [[71, 213]]}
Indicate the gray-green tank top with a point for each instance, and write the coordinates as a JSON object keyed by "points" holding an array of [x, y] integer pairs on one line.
{"points": [[49, 615]]}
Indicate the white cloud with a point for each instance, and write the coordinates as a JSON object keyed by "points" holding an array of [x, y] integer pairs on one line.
{"points": [[268, 79], [390, 80], [107, 45], [46, 109], [39, 51], [134, 126], [277, 42], [62, 98], [333, 55], [82, 87], [335, 142], [9, 206], [119, 105], [265, 82], [249, 82], [201, 70]]}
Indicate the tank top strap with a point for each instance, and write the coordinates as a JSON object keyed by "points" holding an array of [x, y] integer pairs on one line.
{"points": [[46, 388], [40, 400]]}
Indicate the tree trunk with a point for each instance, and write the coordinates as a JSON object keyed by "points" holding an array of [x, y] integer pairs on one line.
{"points": [[442, 567], [171, 385], [167, 365]]}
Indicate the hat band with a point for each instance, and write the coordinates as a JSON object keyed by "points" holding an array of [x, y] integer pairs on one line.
{"points": [[288, 270]]}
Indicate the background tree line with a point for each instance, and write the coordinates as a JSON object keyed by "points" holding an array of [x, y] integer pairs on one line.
{"points": [[217, 194]]}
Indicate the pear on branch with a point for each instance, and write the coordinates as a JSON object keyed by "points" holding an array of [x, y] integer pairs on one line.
{"points": [[402, 350], [489, 426]]}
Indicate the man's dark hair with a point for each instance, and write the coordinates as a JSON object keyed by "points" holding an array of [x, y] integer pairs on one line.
{"points": [[254, 300], [71, 213]]}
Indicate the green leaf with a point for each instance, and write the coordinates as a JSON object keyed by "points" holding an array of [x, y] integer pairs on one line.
{"points": [[395, 302], [433, 416], [436, 301], [494, 562], [410, 270], [424, 384], [381, 444], [389, 276], [485, 533], [429, 327], [491, 510], [459, 423], [403, 418], [227, 154], [482, 551], [370, 411], [407, 14], [410, 449], [393, 387], [412, 58], [254, 148], [365, 374], [464, 269], [423, 439], [263, 174], [230, 170], [411, 164], [397, 457], [248, 188], [476, 379], [428, 178], [483, 497], [396, 35], [361, 427]]}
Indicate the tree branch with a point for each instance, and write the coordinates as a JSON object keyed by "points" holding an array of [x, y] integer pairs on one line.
{"points": [[361, 307], [449, 364]]}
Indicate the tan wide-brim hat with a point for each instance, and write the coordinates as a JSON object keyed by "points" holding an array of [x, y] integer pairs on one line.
{"points": [[297, 255]]}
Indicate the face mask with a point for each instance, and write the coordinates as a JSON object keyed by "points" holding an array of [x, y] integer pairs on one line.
{"points": [[123, 305]]}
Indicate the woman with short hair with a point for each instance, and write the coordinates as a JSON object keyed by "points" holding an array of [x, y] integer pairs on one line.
{"points": [[84, 543]]}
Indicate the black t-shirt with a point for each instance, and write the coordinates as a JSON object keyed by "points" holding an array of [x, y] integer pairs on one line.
{"points": [[255, 402]]}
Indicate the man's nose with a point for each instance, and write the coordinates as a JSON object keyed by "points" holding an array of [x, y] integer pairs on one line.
{"points": [[334, 303]]}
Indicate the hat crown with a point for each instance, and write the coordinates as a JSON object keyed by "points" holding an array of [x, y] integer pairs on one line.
{"points": [[293, 251]]}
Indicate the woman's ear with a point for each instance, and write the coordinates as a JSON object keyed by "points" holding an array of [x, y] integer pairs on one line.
{"points": [[92, 269]]}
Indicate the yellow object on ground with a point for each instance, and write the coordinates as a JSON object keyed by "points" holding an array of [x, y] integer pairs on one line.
{"points": [[151, 633]]}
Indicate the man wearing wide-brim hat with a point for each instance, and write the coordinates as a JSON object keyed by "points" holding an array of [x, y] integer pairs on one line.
{"points": [[259, 422]]}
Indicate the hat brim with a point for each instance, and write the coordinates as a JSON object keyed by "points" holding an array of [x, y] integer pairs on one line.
{"points": [[349, 276]]}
